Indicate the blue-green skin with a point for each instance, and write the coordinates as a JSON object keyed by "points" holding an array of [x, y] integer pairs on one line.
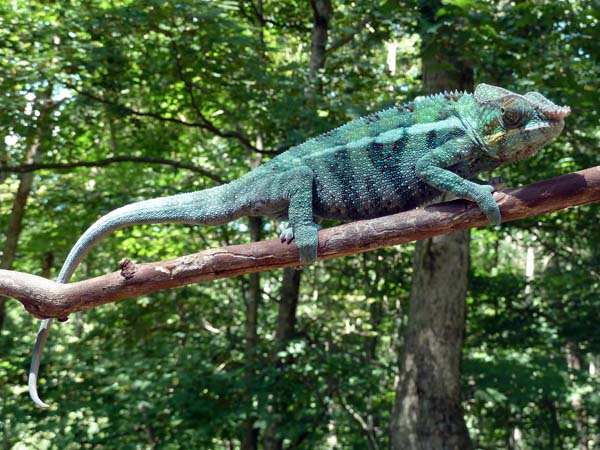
{"points": [[390, 161]]}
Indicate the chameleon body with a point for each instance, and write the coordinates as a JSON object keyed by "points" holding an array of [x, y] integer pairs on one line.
{"points": [[384, 163]]}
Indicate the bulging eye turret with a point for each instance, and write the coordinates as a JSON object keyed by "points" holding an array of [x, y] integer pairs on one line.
{"points": [[513, 112]]}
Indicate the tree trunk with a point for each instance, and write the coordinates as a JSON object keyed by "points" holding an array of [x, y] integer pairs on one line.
{"points": [[427, 410], [575, 363], [322, 11], [254, 293], [15, 221], [249, 431], [286, 329], [286, 317], [3, 160]]}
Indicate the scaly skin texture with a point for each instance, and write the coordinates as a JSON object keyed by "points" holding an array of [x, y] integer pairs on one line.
{"points": [[388, 162]]}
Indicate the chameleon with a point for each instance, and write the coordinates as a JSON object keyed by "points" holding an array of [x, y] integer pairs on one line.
{"points": [[384, 163]]}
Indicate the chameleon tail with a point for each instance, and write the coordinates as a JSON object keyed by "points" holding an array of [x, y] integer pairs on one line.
{"points": [[213, 206], [40, 342]]}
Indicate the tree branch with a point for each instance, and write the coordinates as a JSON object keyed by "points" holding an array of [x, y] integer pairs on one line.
{"points": [[349, 36], [44, 298], [204, 123], [24, 168]]}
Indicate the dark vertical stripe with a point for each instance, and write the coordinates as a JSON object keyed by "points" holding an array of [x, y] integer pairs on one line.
{"points": [[431, 139], [449, 135], [340, 168], [373, 203], [400, 144], [401, 174], [389, 173], [376, 153]]}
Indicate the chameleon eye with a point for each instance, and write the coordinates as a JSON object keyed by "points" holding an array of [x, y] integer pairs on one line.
{"points": [[513, 112]]}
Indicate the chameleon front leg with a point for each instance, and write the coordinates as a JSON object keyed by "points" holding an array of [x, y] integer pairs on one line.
{"points": [[298, 186], [431, 168]]}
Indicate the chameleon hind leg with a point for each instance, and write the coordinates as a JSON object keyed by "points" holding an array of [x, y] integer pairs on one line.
{"points": [[297, 184]]}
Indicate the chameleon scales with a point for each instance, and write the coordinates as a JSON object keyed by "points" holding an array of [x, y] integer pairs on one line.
{"points": [[390, 161]]}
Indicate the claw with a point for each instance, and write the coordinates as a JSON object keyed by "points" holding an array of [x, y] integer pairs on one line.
{"points": [[287, 235]]}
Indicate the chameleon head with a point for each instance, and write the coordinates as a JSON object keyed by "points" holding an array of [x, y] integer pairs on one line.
{"points": [[517, 126]]}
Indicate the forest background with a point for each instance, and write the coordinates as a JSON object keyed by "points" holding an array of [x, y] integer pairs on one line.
{"points": [[106, 102]]}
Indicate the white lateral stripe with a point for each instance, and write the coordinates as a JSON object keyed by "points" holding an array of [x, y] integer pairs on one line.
{"points": [[391, 136]]}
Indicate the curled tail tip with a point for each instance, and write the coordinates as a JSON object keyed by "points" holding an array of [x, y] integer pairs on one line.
{"points": [[33, 393], [35, 362]]}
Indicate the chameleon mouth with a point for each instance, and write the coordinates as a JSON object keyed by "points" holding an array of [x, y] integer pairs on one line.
{"points": [[535, 137], [555, 125]]}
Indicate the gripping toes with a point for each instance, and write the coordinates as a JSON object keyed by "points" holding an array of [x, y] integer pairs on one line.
{"points": [[287, 235], [307, 241], [485, 200]]}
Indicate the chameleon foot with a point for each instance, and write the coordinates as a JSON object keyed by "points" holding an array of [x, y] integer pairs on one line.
{"points": [[307, 241], [485, 200]]}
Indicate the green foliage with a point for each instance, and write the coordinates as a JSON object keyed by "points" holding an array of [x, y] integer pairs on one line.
{"points": [[201, 82]]}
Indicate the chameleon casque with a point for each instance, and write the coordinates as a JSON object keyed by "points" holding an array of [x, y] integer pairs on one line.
{"points": [[384, 163]]}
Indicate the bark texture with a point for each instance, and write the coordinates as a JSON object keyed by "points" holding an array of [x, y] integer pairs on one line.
{"points": [[427, 412], [322, 11]]}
